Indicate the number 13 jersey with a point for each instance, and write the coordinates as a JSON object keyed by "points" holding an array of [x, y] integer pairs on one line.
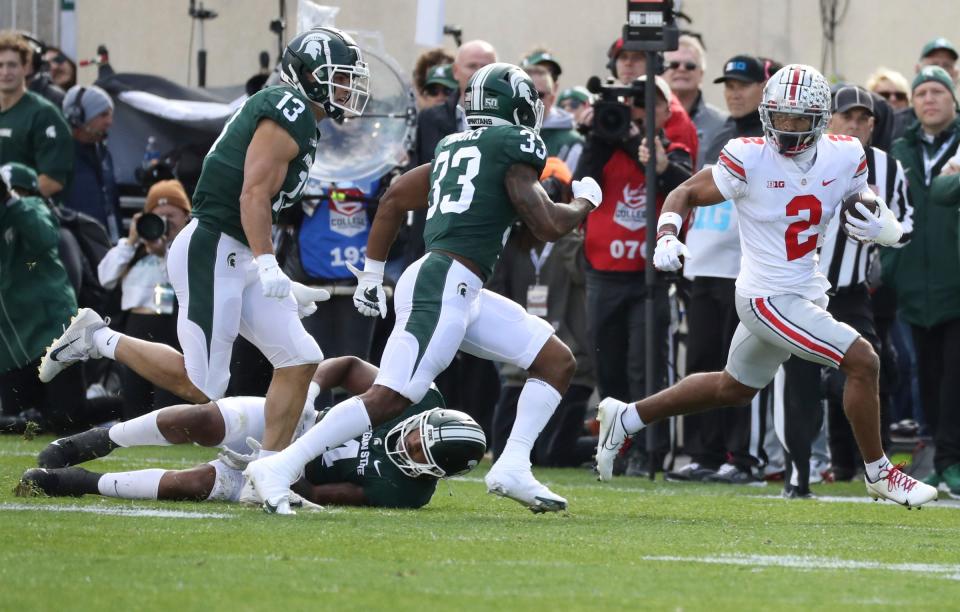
{"points": [[784, 211], [470, 210]]}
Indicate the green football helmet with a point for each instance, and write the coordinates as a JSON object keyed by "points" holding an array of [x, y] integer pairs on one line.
{"points": [[334, 61], [453, 443], [20, 178], [502, 94]]}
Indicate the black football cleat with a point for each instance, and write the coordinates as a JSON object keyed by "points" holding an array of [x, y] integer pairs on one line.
{"points": [[64, 482], [77, 448], [797, 492]]}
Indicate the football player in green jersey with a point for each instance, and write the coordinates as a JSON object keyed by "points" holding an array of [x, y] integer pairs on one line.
{"points": [[396, 465], [222, 265], [479, 183]]}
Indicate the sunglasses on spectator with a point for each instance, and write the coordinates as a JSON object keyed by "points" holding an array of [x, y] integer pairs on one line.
{"points": [[895, 95], [686, 65], [571, 105], [435, 89]]}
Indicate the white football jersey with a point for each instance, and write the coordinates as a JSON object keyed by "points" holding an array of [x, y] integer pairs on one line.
{"points": [[784, 211]]}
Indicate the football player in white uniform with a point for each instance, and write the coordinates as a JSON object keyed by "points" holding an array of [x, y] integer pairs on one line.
{"points": [[786, 187]]}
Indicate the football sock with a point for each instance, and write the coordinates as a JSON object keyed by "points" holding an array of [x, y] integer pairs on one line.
{"points": [[141, 431], [537, 403], [874, 467], [142, 484], [632, 423], [312, 393], [106, 341], [345, 421]]}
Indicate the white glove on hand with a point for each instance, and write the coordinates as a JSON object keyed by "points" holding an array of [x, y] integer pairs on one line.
{"points": [[666, 257], [239, 461], [369, 298], [589, 190], [307, 298], [274, 282], [882, 227]]}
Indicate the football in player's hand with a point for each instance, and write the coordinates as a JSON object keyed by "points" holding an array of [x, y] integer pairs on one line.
{"points": [[867, 198]]}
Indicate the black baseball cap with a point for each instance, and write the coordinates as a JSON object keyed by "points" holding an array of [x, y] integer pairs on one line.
{"points": [[746, 68], [852, 96]]}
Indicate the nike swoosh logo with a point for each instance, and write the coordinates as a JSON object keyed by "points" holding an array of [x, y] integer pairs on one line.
{"points": [[54, 354], [376, 466], [825, 183], [110, 340], [371, 294]]}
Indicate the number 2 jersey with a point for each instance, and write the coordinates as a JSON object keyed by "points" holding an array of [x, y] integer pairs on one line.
{"points": [[784, 211], [216, 200], [470, 210]]}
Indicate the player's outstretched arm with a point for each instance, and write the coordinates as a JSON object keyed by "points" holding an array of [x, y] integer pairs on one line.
{"points": [[408, 192], [333, 494], [698, 190], [351, 373], [548, 220]]}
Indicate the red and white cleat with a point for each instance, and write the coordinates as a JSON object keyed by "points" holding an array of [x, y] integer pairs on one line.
{"points": [[899, 487]]}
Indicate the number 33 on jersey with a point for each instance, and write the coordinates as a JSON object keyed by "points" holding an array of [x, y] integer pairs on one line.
{"points": [[784, 211], [470, 209]]}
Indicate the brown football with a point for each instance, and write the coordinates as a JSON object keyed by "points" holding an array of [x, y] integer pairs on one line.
{"points": [[867, 198]]}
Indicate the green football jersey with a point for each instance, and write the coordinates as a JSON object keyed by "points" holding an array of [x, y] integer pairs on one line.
{"points": [[216, 201], [364, 462], [470, 210], [34, 133]]}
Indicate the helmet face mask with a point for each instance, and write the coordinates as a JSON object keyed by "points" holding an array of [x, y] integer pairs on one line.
{"points": [[452, 443], [502, 94], [793, 92], [326, 65]]}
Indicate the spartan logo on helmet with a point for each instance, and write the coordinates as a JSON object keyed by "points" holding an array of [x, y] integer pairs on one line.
{"points": [[326, 65], [502, 94], [453, 443], [798, 91]]}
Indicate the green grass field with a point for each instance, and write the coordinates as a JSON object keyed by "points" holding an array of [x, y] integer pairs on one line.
{"points": [[631, 544]]}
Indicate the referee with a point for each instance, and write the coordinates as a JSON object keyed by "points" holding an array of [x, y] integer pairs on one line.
{"points": [[847, 265]]}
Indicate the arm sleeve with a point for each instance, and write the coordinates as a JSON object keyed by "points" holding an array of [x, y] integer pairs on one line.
{"points": [[53, 145], [729, 173], [111, 267]]}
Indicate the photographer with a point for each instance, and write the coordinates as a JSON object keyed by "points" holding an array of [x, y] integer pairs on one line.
{"points": [[138, 265], [615, 234]]}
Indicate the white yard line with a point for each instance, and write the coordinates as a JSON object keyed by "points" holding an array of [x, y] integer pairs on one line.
{"points": [[117, 511], [151, 460], [950, 572]]}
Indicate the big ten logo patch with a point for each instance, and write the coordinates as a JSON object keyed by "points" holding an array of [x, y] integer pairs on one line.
{"points": [[347, 218], [631, 208]]}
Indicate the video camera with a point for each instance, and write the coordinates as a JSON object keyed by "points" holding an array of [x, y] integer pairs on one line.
{"points": [[650, 26]]}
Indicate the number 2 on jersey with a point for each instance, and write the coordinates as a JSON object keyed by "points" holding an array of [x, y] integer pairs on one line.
{"points": [[465, 180], [809, 203]]}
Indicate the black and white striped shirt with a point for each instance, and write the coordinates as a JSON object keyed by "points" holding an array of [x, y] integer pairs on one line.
{"points": [[845, 261]]}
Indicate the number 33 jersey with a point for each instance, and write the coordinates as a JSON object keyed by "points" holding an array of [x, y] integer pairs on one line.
{"points": [[470, 210], [784, 211], [216, 201]]}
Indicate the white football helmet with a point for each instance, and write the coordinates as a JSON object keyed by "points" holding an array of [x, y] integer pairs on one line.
{"points": [[795, 89]]}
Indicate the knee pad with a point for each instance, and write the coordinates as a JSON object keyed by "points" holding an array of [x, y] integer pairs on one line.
{"points": [[226, 484]]}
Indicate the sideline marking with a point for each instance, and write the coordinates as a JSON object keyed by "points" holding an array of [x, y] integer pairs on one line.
{"points": [[117, 511], [950, 572]]}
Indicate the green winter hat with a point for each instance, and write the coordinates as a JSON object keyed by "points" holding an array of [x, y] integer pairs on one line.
{"points": [[442, 75], [575, 93], [934, 73], [939, 43], [18, 177], [543, 57]]}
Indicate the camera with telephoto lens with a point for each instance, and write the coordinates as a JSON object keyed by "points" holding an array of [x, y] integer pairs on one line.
{"points": [[611, 115], [151, 227]]}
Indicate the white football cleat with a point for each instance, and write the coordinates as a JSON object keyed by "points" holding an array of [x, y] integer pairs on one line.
{"points": [[270, 485], [900, 488], [75, 344], [612, 435], [520, 486], [298, 502]]}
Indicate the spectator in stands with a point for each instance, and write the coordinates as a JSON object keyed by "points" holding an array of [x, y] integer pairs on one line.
{"points": [[38, 77], [939, 52], [548, 279], [926, 272], [685, 68], [891, 86], [138, 265], [614, 249], [439, 86], [557, 131], [544, 58], [32, 131], [93, 190], [576, 101], [37, 301], [724, 445], [425, 61], [63, 70]]}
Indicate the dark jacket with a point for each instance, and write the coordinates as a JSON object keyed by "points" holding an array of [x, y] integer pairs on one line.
{"points": [[926, 272], [93, 190], [36, 298], [709, 120], [597, 152], [748, 125]]}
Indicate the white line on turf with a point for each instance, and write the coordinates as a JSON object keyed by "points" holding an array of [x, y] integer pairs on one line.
{"points": [[950, 572], [117, 511]]}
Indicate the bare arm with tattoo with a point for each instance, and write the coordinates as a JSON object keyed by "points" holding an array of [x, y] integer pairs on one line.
{"points": [[548, 220]]}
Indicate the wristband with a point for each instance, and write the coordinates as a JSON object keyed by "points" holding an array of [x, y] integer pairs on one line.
{"points": [[266, 260], [670, 218], [665, 232], [372, 265]]}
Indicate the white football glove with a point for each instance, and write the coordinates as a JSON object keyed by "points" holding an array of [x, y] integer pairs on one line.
{"points": [[274, 282], [882, 227], [239, 461], [369, 298], [307, 298], [666, 257], [589, 190]]}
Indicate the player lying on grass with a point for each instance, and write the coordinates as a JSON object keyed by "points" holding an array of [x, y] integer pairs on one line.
{"points": [[391, 466]]}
